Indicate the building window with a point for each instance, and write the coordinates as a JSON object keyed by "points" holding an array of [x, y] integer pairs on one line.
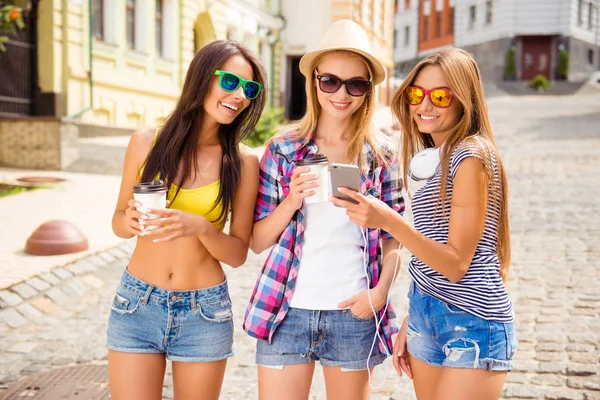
{"points": [[543, 63], [590, 56], [590, 15], [159, 28], [438, 24], [579, 12], [98, 19], [472, 15], [426, 27], [406, 4], [451, 26], [367, 15], [528, 60], [356, 10], [489, 7], [130, 23], [406, 35]]}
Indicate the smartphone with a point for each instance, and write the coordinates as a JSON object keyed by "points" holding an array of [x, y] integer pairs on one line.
{"points": [[344, 175]]}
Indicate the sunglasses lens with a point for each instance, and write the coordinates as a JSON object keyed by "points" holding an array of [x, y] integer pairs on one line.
{"points": [[329, 84], [441, 97], [414, 95], [229, 82], [251, 90], [357, 87]]}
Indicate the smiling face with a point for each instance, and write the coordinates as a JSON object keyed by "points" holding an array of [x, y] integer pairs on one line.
{"points": [[341, 105], [430, 119], [221, 106]]}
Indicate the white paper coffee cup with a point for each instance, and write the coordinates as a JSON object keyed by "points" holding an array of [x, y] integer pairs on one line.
{"points": [[318, 166], [150, 195]]}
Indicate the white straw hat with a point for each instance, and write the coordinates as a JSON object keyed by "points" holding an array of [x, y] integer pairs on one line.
{"points": [[349, 36]]}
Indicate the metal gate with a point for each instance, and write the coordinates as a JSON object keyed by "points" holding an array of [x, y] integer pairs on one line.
{"points": [[18, 69]]}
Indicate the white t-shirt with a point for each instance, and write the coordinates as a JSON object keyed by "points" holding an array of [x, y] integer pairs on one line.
{"points": [[332, 266]]}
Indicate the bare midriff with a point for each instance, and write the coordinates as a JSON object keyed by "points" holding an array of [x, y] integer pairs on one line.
{"points": [[180, 264]]}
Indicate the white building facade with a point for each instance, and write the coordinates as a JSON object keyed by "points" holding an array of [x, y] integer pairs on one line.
{"points": [[536, 31], [406, 31]]}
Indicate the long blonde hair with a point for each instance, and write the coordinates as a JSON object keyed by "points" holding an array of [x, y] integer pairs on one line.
{"points": [[473, 130], [362, 119]]}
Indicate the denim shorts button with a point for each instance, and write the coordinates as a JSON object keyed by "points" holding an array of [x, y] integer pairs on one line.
{"points": [[173, 298]]}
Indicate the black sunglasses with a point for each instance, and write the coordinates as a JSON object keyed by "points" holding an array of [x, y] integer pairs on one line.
{"points": [[355, 87]]}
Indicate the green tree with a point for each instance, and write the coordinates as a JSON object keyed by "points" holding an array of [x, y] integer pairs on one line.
{"points": [[270, 120], [563, 64], [11, 19], [510, 67]]}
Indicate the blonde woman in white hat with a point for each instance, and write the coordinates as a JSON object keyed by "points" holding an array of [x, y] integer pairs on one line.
{"points": [[323, 292]]}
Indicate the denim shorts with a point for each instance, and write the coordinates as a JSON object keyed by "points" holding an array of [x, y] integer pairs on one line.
{"points": [[188, 326], [445, 336], [337, 338]]}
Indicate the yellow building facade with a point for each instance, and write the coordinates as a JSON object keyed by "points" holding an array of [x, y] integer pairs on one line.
{"points": [[122, 63]]}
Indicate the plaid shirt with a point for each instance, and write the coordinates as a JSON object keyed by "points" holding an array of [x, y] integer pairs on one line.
{"points": [[274, 289]]}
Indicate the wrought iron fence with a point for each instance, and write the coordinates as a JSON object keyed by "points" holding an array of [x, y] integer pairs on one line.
{"points": [[18, 71]]}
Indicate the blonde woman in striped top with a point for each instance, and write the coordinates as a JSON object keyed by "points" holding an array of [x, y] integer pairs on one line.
{"points": [[459, 338]]}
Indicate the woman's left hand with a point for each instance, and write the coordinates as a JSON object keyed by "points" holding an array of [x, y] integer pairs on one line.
{"points": [[173, 224], [360, 305], [368, 213]]}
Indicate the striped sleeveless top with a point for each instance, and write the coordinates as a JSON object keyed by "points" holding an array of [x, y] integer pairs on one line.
{"points": [[481, 292]]}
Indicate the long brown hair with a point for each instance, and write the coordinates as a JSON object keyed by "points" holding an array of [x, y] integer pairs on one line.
{"points": [[174, 155], [472, 130], [362, 119]]}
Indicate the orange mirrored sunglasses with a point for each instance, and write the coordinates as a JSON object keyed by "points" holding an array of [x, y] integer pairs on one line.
{"points": [[439, 97]]}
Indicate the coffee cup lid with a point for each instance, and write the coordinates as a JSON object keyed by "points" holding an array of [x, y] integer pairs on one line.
{"points": [[150, 187], [316, 159]]}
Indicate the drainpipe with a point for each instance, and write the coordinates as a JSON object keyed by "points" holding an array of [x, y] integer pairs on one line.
{"points": [[597, 49], [272, 45], [90, 75], [272, 85]]}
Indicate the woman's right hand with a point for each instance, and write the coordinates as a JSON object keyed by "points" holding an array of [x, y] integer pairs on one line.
{"points": [[301, 187], [132, 217]]}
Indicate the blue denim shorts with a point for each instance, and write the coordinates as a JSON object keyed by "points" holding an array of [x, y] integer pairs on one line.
{"points": [[337, 338], [445, 336], [188, 326]]}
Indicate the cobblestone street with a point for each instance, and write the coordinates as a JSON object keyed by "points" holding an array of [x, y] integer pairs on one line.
{"points": [[551, 148]]}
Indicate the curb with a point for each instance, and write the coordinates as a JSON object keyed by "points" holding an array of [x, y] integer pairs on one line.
{"points": [[43, 293]]}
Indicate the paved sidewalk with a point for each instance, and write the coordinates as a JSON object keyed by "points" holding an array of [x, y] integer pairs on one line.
{"points": [[85, 200]]}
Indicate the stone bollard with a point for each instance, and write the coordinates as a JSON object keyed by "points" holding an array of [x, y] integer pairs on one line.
{"points": [[55, 238]]}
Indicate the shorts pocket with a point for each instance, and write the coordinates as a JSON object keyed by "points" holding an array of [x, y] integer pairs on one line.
{"points": [[453, 309], [125, 302], [216, 312], [411, 289], [511, 341], [357, 318]]}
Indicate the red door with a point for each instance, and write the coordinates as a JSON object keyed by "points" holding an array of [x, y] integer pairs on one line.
{"points": [[535, 56]]}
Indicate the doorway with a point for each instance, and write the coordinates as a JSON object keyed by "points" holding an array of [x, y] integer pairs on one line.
{"points": [[296, 95], [536, 56]]}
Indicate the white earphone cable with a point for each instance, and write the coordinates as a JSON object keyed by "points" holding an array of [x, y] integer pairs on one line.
{"points": [[378, 321]]}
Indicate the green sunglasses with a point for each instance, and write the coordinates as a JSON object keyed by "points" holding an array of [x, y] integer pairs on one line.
{"points": [[230, 82]]}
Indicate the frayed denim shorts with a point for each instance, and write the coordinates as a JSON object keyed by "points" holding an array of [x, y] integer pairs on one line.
{"points": [[337, 338], [188, 326], [446, 336]]}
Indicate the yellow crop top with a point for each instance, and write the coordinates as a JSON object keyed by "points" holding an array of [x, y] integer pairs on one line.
{"points": [[200, 201]]}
